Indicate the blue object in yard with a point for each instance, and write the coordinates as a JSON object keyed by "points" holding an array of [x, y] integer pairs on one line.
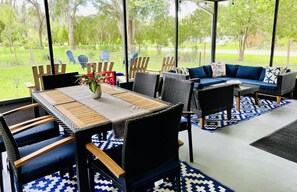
{"points": [[70, 57], [133, 56], [83, 60], [104, 56], [56, 61]]}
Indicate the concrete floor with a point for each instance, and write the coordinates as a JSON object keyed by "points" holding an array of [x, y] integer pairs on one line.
{"points": [[226, 155]]}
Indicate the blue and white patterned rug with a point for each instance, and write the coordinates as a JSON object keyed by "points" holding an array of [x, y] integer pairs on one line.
{"points": [[191, 179], [248, 110]]}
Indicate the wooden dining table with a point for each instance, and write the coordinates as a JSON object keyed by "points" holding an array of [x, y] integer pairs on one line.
{"points": [[82, 116]]}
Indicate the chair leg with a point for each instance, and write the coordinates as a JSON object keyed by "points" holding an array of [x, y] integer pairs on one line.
{"points": [[190, 144], [178, 186], [91, 178], [278, 99], [229, 114], [202, 122], [1, 176], [291, 95], [11, 176]]}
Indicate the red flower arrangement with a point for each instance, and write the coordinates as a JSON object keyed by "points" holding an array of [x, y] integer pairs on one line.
{"points": [[91, 79]]}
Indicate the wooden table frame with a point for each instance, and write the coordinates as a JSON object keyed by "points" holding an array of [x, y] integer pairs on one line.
{"points": [[246, 89], [82, 134]]}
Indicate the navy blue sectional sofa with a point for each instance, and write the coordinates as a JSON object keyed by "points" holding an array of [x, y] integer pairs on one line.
{"points": [[246, 74]]}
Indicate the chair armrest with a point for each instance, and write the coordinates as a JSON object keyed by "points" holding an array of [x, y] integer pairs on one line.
{"points": [[15, 126], [106, 160], [195, 80], [23, 128], [188, 113], [22, 161], [154, 70], [176, 76], [21, 108], [30, 86], [286, 82], [180, 143]]}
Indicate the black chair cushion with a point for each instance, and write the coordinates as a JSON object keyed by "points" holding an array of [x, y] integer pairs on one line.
{"points": [[49, 162], [33, 135], [162, 171]]}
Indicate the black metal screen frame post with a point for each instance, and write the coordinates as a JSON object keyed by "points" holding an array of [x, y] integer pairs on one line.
{"points": [[125, 39], [214, 31], [49, 36], [176, 32], [274, 32]]}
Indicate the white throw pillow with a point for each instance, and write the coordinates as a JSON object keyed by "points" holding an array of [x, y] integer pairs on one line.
{"points": [[182, 70], [272, 73], [218, 69]]}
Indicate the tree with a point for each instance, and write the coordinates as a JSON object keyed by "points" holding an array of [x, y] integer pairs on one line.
{"points": [[244, 18], [68, 8], [137, 10], [40, 17]]}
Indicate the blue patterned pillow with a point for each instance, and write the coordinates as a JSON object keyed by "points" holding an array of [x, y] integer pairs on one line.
{"points": [[272, 73]]}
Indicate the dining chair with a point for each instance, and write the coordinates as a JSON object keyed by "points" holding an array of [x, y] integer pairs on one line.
{"points": [[146, 84], [99, 67], [59, 80], [83, 60], [33, 130], [37, 160], [215, 99], [149, 153], [39, 72], [175, 91]]}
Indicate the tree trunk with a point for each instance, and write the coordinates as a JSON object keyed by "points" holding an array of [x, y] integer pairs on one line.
{"points": [[288, 51], [159, 50], [40, 36], [71, 32], [131, 45], [15, 55]]}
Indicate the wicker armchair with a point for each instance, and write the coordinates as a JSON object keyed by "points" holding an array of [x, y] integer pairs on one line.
{"points": [[149, 153]]}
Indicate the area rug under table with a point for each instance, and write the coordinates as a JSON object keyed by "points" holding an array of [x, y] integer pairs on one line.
{"points": [[191, 179], [281, 143], [248, 110]]}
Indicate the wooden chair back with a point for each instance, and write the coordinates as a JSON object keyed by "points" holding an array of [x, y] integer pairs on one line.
{"points": [[168, 64], [99, 67], [138, 64], [39, 71]]}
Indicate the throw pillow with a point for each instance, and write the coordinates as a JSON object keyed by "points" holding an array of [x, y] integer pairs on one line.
{"points": [[197, 72], [272, 73], [218, 69], [182, 70]]}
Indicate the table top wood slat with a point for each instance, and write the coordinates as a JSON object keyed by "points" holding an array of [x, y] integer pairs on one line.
{"points": [[141, 101], [81, 115], [111, 90], [56, 97]]}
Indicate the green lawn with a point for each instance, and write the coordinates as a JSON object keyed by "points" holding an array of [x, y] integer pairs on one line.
{"points": [[15, 74]]}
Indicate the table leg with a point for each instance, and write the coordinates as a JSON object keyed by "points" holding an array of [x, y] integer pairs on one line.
{"points": [[256, 98], [81, 162], [237, 99]]}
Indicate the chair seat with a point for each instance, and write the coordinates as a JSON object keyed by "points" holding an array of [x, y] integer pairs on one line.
{"points": [[33, 135], [169, 167], [183, 124], [49, 162]]}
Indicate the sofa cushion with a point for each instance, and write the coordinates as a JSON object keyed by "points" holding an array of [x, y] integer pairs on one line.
{"points": [[272, 73], [218, 69], [205, 82], [231, 70], [249, 72], [197, 72], [262, 84], [208, 71], [262, 76]]}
